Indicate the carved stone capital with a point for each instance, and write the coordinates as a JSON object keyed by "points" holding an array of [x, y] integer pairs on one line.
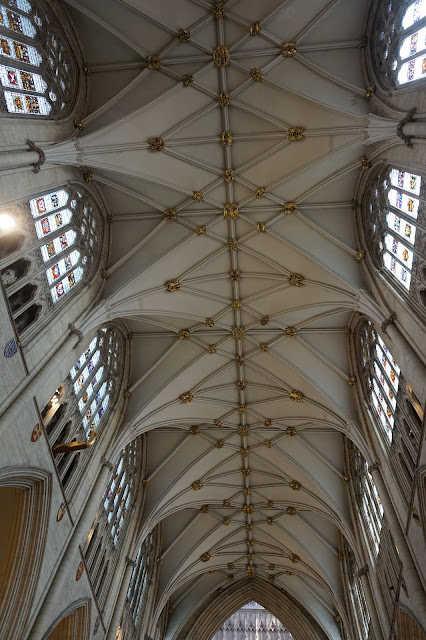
{"points": [[404, 121], [374, 467], [362, 571], [77, 332], [107, 463], [41, 157], [388, 321], [130, 561]]}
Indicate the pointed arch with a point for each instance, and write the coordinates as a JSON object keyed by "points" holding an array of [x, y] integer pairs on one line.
{"points": [[72, 624], [25, 495]]}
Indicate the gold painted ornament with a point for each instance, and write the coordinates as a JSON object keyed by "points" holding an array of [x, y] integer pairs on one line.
{"points": [[218, 10], [264, 321], [241, 385], [243, 430], [197, 485], [153, 62], [261, 226], [295, 279], [229, 175], [201, 230], [219, 444], [244, 452], [296, 396], [267, 422], [246, 472], [156, 144], [194, 431], [217, 423], [235, 275], [255, 28], [226, 138], [291, 431], [230, 211], [242, 408], [248, 509], [205, 557], [239, 360], [293, 557], [212, 348], [256, 74], [170, 214], [264, 347], [233, 244], [187, 79], [173, 285], [238, 333], [365, 163], [261, 192], [291, 332], [209, 322], [184, 334], [197, 196], [186, 397], [204, 508], [184, 35], [221, 56], [289, 49], [224, 99], [236, 305], [227, 521], [290, 208], [295, 134], [295, 485], [291, 511]]}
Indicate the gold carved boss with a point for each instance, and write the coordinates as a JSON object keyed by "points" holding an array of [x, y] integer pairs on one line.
{"points": [[230, 210], [289, 49], [221, 56]]}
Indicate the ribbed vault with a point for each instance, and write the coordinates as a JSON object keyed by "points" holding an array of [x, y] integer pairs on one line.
{"points": [[234, 266]]}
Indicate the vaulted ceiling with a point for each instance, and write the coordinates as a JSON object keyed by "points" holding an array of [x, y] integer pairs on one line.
{"points": [[245, 409]]}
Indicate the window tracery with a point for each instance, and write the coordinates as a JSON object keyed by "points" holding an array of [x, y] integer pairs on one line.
{"points": [[108, 532], [80, 406], [51, 254], [399, 45], [139, 587], [394, 405], [368, 500], [395, 228], [36, 69]]}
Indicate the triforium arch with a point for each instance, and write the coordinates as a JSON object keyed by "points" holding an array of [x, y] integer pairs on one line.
{"points": [[24, 506], [54, 249], [72, 624], [41, 74], [393, 217], [220, 605]]}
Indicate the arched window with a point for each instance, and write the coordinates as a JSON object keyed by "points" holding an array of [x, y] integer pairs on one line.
{"points": [[357, 594], [36, 69], [367, 498], [394, 406], [399, 42], [80, 406], [395, 230], [140, 581], [54, 240], [108, 531]]}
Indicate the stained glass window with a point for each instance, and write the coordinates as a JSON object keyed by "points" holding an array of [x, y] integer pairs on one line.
{"points": [[369, 504], [108, 531], [383, 374], [395, 230], [65, 222], [35, 70], [92, 378], [140, 581]]}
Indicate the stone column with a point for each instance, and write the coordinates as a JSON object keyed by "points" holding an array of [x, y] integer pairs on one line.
{"points": [[375, 622], [416, 594], [20, 158], [31, 386], [121, 599], [411, 366], [70, 558]]}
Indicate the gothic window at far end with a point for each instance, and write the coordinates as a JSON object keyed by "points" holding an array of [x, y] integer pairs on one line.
{"points": [[399, 42], [395, 229], [37, 70]]}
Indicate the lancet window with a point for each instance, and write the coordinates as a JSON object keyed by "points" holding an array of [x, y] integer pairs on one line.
{"points": [[357, 593], [36, 69], [395, 228], [108, 532], [399, 45], [393, 403], [368, 500], [78, 411], [48, 252]]}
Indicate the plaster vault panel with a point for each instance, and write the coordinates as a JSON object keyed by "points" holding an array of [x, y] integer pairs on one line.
{"points": [[240, 364]]}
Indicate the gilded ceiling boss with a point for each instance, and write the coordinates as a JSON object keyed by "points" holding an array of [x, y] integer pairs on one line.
{"points": [[213, 312]]}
